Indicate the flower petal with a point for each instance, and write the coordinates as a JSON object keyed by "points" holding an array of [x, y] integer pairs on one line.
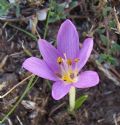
{"points": [[87, 79], [85, 52], [39, 68], [68, 39], [59, 90], [49, 53]]}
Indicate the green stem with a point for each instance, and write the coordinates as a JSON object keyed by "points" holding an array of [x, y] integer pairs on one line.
{"points": [[48, 16], [46, 27], [72, 94], [24, 31]]}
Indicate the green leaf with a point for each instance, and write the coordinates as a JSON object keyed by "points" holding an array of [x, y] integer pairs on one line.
{"points": [[73, 4], [102, 58], [106, 10], [17, 10], [80, 101], [112, 24], [101, 30], [4, 7], [115, 47], [57, 12], [104, 39], [107, 58]]}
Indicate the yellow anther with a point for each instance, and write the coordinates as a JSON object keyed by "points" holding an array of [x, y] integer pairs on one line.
{"points": [[67, 78], [76, 60], [69, 61], [59, 60]]}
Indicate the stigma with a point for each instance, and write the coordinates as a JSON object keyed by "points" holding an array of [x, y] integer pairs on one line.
{"points": [[68, 73]]}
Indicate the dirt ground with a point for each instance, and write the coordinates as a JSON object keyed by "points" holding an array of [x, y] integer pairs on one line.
{"points": [[38, 107]]}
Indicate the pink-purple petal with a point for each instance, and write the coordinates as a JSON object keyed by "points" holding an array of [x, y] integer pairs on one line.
{"points": [[87, 79], [59, 90], [85, 52], [68, 39], [39, 68], [49, 54]]}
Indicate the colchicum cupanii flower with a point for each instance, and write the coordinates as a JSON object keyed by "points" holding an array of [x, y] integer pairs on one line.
{"points": [[63, 64]]}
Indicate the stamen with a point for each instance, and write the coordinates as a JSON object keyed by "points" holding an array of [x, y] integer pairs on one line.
{"points": [[76, 60], [67, 78], [65, 56], [67, 73], [59, 60], [72, 75], [69, 61]]}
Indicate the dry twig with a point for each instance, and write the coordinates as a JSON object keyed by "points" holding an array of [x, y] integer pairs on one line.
{"points": [[20, 83]]}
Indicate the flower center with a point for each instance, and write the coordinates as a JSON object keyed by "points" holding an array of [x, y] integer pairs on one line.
{"points": [[68, 69]]}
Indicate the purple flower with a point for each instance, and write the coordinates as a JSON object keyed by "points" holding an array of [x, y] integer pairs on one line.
{"points": [[63, 64]]}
